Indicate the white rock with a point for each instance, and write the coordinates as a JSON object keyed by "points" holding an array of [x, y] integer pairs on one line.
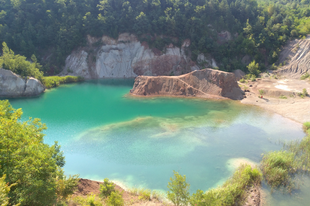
{"points": [[12, 85]]}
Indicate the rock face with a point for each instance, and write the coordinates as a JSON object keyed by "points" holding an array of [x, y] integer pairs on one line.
{"points": [[126, 57], [296, 58], [12, 85], [206, 83]]}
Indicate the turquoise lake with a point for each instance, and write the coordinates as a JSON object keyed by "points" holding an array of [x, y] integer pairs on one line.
{"points": [[138, 142]]}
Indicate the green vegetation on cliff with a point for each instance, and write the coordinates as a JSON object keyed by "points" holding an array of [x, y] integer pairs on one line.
{"points": [[259, 28]]}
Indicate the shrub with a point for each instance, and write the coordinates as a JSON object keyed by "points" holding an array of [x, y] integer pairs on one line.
{"points": [[90, 200], [233, 190], [242, 80], [106, 188], [253, 68], [55, 81], [282, 97], [178, 189], [305, 92], [306, 126], [305, 76], [145, 194], [115, 199], [261, 92], [278, 167], [26, 159]]}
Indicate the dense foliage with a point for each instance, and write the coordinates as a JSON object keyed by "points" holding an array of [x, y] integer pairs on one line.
{"points": [[32, 166], [19, 65], [259, 29]]}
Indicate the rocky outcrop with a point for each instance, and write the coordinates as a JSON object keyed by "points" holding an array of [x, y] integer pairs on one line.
{"points": [[12, 85], [206, 83], [296, 58], [126, 57]]}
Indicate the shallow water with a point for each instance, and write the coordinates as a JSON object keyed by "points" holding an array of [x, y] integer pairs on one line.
{"points": [[140, 141]]}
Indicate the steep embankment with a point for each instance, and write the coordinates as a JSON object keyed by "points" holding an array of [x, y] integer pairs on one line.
{"points": [[126, 56], [296, 58], [206, 83], [12, 85]]}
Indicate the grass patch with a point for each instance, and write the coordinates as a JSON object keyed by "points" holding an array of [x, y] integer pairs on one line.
{"points": [[233, 192], [283, 97], [55, 81], [278, 167], [91, 199], [143, 194]]}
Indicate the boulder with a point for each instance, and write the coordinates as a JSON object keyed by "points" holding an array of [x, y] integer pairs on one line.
{"points": [[12, 85], [206, 83]]}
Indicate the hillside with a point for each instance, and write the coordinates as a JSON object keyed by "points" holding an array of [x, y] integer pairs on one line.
{"points": [[256, 29]]}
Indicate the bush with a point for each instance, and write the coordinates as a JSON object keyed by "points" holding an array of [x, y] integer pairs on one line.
{"points": [[283, 97], [178, 190], [115, 199], [28, 161], [305, 76], [90, 200], [261, 92], [233, 190], [55, 81], [306, 126], [278, 167], [253, 68], [145, 194], [106, 188], [242, 80]]}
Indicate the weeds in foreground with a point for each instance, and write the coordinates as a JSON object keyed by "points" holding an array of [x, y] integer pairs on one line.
{"points": [[90, 200], [233, 191], [55, 81]]}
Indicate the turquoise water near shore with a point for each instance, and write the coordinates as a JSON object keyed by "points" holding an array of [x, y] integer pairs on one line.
{"points": [[104, 132]]}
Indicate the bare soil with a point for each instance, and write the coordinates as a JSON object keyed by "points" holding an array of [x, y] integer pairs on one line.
{"points": [[279, 96], [86, 187]]}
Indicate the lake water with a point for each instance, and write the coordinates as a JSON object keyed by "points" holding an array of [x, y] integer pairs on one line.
{"points": [[105, 133]]}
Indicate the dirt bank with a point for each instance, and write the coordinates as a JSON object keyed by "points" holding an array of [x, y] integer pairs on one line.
{"points": [[279, 96], [206, 83], [87, 187]]}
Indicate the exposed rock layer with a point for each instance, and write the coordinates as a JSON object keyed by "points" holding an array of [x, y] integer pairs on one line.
{"points": [[206, 83], [296, 58], [126, 57], [12, 85]]}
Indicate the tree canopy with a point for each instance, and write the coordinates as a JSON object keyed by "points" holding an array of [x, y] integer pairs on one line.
{"points": [[29, 165], [259, 28]]}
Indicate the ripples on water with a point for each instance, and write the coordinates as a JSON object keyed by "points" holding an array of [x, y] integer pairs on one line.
{"points": [[140, 141]]}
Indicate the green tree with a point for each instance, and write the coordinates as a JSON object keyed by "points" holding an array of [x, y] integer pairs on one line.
{"points": [[253, 68], [106, 188], [26, 161], [178, 190]]}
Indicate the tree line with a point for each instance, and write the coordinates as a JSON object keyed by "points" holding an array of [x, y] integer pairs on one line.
{"points": [[259, 28]]}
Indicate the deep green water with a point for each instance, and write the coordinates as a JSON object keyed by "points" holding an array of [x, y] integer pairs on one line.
{"points": [[140, 141]]}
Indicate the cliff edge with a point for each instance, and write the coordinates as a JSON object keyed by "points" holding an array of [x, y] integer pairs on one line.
{"points": [[206, 83], [12, 85]]}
